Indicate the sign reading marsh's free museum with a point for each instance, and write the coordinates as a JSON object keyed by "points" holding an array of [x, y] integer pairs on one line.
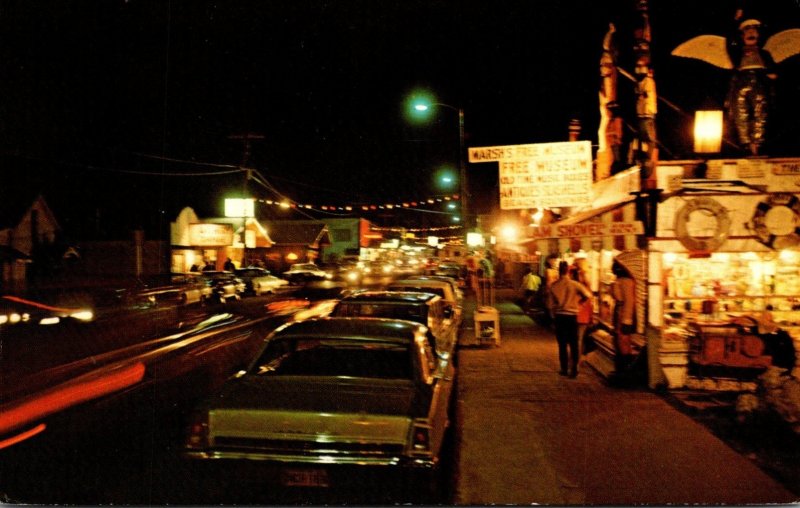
{"points": [[541, 175]]}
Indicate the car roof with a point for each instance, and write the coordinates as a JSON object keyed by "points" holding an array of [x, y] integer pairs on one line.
{"points": [[390, 297], [441, 278], [421, 283], [360, 328]]}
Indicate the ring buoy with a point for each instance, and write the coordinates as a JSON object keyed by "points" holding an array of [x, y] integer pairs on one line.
{"points": [[776, 221], [700, 243]]}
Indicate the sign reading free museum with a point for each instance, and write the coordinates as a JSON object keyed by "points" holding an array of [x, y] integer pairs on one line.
{"points": [[541, 175]]}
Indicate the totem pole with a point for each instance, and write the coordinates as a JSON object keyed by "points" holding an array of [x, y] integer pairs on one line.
{"points": [[646, 99], [609, 133]]}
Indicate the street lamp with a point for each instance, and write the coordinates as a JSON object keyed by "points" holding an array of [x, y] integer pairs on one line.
{"points": [[422, 104]]}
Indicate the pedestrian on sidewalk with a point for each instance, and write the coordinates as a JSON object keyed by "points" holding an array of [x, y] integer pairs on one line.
{"points": [[580, 272], [624, 292], [564, 297], [531, 283]]}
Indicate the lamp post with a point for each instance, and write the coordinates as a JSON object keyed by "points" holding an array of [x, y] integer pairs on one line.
{"points": [[422, 106]]}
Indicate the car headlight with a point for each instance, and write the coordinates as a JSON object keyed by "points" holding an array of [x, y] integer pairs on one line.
{"points": [[83, 315]]}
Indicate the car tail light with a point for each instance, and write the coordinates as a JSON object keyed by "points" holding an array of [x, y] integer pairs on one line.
{"points": [[197, 432], [420, 438]]}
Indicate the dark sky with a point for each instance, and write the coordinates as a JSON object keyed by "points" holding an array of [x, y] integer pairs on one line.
{"points": [[100, 99]]}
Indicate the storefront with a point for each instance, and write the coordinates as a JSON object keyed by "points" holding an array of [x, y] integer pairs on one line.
{"points": [[601, 236], [717, 280], [724, 284], [196, 243]]}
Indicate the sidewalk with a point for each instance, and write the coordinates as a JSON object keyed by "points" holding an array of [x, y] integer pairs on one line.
{"points": [[529, 436]]}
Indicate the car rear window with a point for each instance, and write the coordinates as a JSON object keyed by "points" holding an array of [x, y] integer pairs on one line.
{"points": [[394, 311], [419, 289], [314, 357]]}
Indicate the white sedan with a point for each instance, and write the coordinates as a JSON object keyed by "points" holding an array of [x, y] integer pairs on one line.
{"points": [[260, 281]]}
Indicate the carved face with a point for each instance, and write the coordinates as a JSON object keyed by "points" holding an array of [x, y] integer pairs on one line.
{"points": [[750, 35]]}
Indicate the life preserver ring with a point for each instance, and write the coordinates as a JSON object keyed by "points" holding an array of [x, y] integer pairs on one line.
{"points": [[698, 243], [776, 221]]}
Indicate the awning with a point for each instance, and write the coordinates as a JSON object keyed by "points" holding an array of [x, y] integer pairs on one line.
{"points": [[588, 214], [577, 225]]}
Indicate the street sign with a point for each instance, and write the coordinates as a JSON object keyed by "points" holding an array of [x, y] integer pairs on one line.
{"points": [[541, 175]]}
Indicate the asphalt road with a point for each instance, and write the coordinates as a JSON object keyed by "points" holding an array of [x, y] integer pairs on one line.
{"points": [[123, 447]]}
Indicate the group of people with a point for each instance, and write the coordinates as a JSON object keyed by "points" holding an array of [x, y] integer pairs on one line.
{"points": [[568, 299]]}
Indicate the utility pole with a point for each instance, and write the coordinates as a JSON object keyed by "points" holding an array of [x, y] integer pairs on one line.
{"points": [[245, 138]]}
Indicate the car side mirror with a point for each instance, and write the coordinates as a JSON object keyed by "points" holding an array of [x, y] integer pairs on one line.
{"points": [[448, 312]]}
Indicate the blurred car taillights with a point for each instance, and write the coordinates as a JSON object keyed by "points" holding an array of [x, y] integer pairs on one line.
{"points": [[197, 432], [420, 439]]}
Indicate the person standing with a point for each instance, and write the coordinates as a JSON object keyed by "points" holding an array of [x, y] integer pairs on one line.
{"points": [[624, 292], [580, 273], [564, 297]]}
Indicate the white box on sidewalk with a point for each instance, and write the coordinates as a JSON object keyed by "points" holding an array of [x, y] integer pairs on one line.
{"points": [[487, 325]]}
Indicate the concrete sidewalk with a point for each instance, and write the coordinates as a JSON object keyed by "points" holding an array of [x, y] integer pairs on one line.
{"points": [[529, 436]]}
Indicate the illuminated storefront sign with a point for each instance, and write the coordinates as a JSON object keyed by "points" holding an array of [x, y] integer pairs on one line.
{"points": [[588, 229], [210, 235]]}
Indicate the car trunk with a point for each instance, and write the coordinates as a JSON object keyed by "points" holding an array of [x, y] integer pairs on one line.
{"points": [[343, 419]]}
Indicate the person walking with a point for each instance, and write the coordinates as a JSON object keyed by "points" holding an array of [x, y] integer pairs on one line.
{"points": [[564, 297], [531, 283]]}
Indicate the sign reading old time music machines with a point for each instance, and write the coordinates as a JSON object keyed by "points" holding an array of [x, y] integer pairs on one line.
{"points": [[541, 175]]}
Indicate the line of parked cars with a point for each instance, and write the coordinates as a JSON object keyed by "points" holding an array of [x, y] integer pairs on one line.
{"points": [[205, 286], [356, 388]]}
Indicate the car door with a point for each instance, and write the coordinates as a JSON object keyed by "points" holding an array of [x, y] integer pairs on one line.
{"points": [[439, 413]]}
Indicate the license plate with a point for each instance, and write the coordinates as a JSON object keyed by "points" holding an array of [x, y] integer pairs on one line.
{"points": [[305, 478]]}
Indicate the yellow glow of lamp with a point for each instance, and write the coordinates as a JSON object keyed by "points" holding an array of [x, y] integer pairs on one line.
{"points": [[239, 207], [707, 131]]}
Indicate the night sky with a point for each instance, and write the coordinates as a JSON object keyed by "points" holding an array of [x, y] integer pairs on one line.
{"points": [[123, 112]]}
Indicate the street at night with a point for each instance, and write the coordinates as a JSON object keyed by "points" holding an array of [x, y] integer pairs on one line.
{"points": [[378, 253]]}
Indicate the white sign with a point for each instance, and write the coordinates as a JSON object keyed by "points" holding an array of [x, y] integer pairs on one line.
{"points": [[541, 175], [210, 235], [588, 229], [237, 207]]}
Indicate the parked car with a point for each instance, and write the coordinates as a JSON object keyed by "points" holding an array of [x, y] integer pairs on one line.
{"points": [[424, 308], [175, 288], [224, 285], [259, 280], [453, 270], [299, 273], [438, 287], [327, 403], [459, 294]]}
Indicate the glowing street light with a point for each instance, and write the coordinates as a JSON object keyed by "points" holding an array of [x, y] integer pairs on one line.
{"points": [[420, 104]]}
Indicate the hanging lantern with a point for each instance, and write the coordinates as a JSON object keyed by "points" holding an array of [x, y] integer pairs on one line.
{"points": [[707, 131]]}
